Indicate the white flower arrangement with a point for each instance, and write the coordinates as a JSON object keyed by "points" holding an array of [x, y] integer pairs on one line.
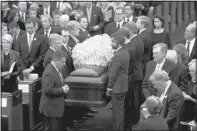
{"points": [[95, 51]]}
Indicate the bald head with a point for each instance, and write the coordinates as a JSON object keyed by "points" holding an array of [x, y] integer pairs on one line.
{"points": [[172, 56]]}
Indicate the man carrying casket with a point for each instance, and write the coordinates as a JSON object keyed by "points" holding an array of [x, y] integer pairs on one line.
{"points": [[118, 80]]}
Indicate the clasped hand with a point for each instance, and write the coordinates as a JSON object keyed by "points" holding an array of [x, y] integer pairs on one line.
{"points": [[66, 88]]}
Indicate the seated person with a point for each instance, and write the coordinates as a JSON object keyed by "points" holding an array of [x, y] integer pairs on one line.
{"points": [[153, 121], [9, 59]]}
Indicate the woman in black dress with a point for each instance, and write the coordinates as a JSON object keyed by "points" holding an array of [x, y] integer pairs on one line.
{"points": [[159, 34], [9, 58]]}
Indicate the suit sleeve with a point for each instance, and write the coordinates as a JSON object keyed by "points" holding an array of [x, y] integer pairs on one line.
{"points": [[48, 87], [42, 53], [184, 78], [101, 19], [113, 74], [174, 108], [47, 60], [107, 30]]}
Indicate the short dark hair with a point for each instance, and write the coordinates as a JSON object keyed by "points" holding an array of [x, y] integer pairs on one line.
{"points": [[81, 17], [55, 12], [13, 24], [160, 18], [58, 55], [130, 5], [119, 38], [30, 20], [125, 32]]}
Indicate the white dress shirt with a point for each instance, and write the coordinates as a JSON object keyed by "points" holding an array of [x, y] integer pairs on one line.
{"points": [[192, 42], [159, 66], [47, 9], [120, 24], [163, 94]]}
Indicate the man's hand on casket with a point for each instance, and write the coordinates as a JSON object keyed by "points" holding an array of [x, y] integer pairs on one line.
{"points": [[66, 88], [109, 91]]}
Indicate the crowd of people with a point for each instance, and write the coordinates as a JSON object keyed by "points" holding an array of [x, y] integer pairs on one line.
{"points": [[152, 81]]}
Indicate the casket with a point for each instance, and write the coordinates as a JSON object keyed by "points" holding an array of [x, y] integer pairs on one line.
{"points": [[87, 87]]}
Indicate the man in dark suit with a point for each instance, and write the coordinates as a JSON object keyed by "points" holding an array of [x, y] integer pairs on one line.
{"points": [[142, 24], [55, 44], [159, 63], [150, 111], [129, 11], [46, 21], [53, 92], [95, 18], [118, 80], [32, 49], [23, 15], [73, 29], [137, 75], [180, 75], [118, 23], [171, 97], [15, 31], [190, 41], [83, 33], [46, 8]]}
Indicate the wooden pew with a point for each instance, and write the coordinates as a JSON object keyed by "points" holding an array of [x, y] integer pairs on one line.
{"points": [[31, 92], [12, 111]]}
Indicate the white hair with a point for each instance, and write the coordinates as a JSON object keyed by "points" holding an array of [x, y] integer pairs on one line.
{"points": [[7, 37], [64, 18], [172, 56]]}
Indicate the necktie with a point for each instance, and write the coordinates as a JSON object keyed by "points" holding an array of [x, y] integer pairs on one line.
{"points": [[60, 75], [46, 11], [188, 46], [118, 26], [30, 41], [46, 33]]}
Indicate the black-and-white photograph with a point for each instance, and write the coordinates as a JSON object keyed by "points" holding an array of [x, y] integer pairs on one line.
{"points": [[100, 65]]}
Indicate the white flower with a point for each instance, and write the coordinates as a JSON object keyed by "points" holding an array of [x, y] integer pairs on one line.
{"points": [[94, 51], [35, 39]]}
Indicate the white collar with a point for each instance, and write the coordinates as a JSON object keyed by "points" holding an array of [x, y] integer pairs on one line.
{"points": [[52, 48], [83, 29], [142, 30], [167, 87], [130, 18], [32, 35], [119, 23], [117, 49], [192, 42], [49, 30], [161, 64], [132, 37], [54, 66]]}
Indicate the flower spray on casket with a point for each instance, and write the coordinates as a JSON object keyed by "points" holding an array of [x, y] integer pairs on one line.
{"points": [[95, 51], [88, 82]]}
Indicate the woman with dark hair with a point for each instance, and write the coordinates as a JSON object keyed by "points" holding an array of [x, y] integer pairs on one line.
{"points": [[14, 16], [182, 54], [159, 34]]}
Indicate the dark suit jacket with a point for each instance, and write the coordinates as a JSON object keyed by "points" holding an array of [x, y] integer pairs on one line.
{"points": [[133, 20], [53, 30], [112, 28], [48, 57], [36, 55], [69, 60], [172, 106], [180, 76], [83, 35], [156, 123], [138, 73], [97, 18], [52, 98], [146, 38], [168, 66], [15, 39], [118, 71], [193, 54], [71, 42]]}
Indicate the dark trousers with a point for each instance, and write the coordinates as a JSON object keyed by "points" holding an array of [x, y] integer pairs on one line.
{"points": [[53, 124], [118, 111]]}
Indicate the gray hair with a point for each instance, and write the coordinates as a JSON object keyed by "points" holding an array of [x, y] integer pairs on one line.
{"points": [[172, 56], [159, 75], [132, 27], [163, 47], [182, 53], [64, 18], [46, 16], [72, 25], [54, 39], [7, 37]]}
